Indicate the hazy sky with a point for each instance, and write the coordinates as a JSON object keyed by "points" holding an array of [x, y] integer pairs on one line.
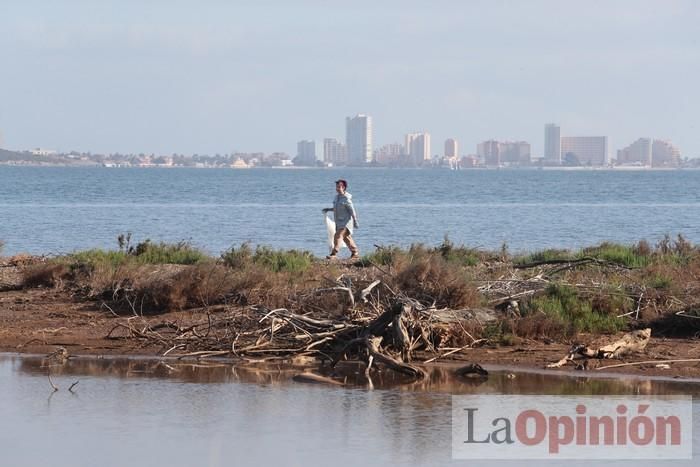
{"points": [[218, 76]]}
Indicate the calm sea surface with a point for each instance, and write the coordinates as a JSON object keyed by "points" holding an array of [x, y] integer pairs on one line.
{"points": [[58, 210], [148, 412]]}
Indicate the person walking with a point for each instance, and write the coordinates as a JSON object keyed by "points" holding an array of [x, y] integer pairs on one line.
{"points": [[343, 214]]}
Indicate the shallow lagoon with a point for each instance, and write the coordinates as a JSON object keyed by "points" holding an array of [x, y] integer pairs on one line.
{"points": [[152, 412]]}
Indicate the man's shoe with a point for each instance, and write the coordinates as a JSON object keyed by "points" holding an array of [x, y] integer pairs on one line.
{"points": [[331, 257], [355, 256]]}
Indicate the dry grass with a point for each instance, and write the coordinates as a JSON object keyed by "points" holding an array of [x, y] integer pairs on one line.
{"points": [[201, 285], [537, 326], [148, 289], [429, 277], [50, 274], [640, 281]]}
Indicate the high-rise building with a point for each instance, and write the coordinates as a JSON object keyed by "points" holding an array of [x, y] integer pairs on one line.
{"points": [[334, 152], [584, 150], [451, 149], [418, 148], [497, 153], [515, 152], [389, 154], [358, 139], [663, 153], [638, 152], [489, 152], [552, 143], [306, 153]]}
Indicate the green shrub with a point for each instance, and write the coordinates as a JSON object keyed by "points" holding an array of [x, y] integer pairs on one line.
{"points": [[612, 300], [660, 282], [98, 256], [545, 255], [562, 303], [679, 251], [147, 252], [238, 258], [383, 256], [493, 331], [267, 258], [615, 253], [280, 260], [460, 255]]}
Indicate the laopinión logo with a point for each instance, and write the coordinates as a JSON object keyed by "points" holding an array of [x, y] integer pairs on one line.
{"points": [[572, 427]]}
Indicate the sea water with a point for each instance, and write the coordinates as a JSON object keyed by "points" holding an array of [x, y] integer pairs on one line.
{"points": [[51, 210]]}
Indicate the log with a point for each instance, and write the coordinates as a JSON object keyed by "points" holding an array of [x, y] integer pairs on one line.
{"points": [[647, 362], [372, 345], [308, 377], [632, 342], [453, 351], [364, 293], [400, 335], [377, 327], [473, 370]]}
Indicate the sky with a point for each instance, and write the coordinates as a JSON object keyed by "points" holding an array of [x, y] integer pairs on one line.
{"points": [[211, 77]]}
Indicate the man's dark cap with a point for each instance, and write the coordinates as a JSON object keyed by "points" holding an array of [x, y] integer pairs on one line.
{"points": [[345, 183]]}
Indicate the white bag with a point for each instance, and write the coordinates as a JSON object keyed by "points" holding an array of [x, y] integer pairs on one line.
{"points": [[330, 228]]}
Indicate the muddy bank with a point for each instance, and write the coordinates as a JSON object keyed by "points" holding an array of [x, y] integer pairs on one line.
{"points": [[395, 310], [37, 321]]}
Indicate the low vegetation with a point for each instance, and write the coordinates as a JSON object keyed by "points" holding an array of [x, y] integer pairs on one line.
{"points": [[639, 255], [551, 294], [146, 252], [244, 257], [544, 256], [572, 313], [622, 255]]}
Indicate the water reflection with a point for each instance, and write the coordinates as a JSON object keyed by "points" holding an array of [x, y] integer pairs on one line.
{"points": [[150, 412], [440, 378]]}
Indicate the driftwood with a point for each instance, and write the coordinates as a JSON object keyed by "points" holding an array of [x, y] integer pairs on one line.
{"points": [[569, 263], [632, 342], [308, 377], [376, 355], [649, 362], [473, 370], [364, 293], [363, 318], [371, 337], [388, 340]]}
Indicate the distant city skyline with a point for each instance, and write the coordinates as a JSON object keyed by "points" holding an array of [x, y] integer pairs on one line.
{"points": [[203, 78], [360, 129], [559, 149], [358, 150]]}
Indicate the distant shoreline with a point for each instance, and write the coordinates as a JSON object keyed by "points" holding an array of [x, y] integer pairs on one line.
{"points": [[470, 169]]}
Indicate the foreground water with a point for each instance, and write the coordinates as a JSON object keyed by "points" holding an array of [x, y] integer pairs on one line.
{"points": [[147, 412], [57, 210]]}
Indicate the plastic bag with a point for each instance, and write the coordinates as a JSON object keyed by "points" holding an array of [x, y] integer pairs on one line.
{"points": [[330, 229]]}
